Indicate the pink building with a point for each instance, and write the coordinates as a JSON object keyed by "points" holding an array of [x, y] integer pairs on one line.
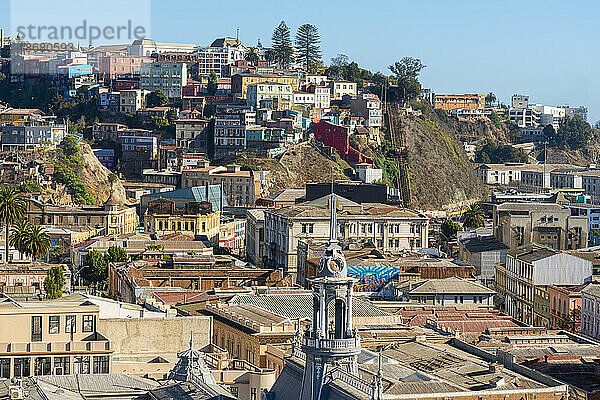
{"points": [[120, 65], [565, 307]]}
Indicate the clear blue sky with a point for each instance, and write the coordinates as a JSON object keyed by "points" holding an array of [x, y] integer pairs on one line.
{"points": [[547, 49]]}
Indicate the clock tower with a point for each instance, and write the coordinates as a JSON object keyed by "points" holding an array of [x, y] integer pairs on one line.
{"points": [[331, 345]]}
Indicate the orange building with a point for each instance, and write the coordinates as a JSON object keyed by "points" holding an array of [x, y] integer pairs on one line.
{"points": [[450, 102]]}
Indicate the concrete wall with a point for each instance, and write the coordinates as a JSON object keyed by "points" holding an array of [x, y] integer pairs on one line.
{"points": [[155, 336]]}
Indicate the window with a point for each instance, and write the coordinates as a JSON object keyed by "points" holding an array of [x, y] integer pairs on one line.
{"points": [[36, 328], [88, 323], [100, 364], [81, 365], [253, 393], [234, 391], [70, 324], [42, 366], [5, 368], [62, 366], [22, 366], [54, 325]]}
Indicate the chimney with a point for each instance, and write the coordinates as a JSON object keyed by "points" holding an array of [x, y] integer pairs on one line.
{"points": [[206, 190]]}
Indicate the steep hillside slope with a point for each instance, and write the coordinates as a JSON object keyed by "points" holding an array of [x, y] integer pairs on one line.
{"points": [[299, 165], [441, 174]]}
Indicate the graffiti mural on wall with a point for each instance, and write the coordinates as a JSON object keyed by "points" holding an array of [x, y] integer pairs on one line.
{"points": [[372, 277]]}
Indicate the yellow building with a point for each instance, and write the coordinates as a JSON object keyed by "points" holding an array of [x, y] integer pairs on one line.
{"points": [[451, 102], [240, 82], [51, 338], [132, 100], [197, 219], [19, 116]]}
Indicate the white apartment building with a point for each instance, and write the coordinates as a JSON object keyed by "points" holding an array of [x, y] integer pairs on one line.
{"points": [[533, 265], [221, 53], [341, 88], [524, 117], [367, 106], [322, 96], [590, 311], [549, 115], [145, 47], [367, 174], [304, 98], [281, 92], [312, 79], [165, 76], [571, 112], [499, 174]]}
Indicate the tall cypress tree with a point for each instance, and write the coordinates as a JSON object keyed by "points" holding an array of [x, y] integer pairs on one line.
{"points": [[308, 42], [282, 45]]}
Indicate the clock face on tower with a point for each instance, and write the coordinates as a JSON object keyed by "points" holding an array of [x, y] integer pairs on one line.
{"points": [[334, 265]]}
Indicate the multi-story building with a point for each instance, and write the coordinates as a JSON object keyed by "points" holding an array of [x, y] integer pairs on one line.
{"points": [[239, 187], [280, 92], [528, 267], [240, 82], [107, 130], [20, 116], [192, 134], [29, 137], [451, 102], [338, 137], [339, 89], [117, 65], [367, 106], [322, 96], [196, 219], [147, 47], [132, 100], [265, 137], [302, 98], [451, 292], [139, 144], [565, 306], [112, 217], [217, 57], [110, 100], [519, 101], [52, 338], [483, 252], [255, 236], [230, 130], [524, 117], [571, 112], [590, 311], [552, 225], [232, 235], [388, 227], [170, 78], [549, 115]]}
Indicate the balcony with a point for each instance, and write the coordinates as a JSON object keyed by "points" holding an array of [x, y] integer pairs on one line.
{"points": [[332, 344]]}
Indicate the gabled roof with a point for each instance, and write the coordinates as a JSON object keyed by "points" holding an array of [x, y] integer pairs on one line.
{"points": [[451, 286], [532, 252]]}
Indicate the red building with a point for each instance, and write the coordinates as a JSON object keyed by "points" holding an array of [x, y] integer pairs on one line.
{"points": [[338, 137]]}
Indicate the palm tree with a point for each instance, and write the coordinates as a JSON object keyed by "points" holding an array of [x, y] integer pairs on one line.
{"points": [[252, 56], [20, 235], [473, 217], [30, 240], [12, 209]]}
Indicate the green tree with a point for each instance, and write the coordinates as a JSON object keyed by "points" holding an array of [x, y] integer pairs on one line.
{"points": [[473, 217], [308, 43], [30, 240], [282, 45], [171, 115], [12, 209], [55, 282], [58, 255], [156, 99], [69, 146], [252, 56], [549, 134], [574, 133], [490, 99], [213, 80], [30, 186], [498, 153], [115, 254], [94, 268], [407, 72], [449, 228]]}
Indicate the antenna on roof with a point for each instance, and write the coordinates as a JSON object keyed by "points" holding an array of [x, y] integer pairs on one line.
{"points": [[237, 34]]}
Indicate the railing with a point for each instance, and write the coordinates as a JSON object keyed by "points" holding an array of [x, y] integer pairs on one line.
{"points": [[332, 343], [354, 381]]}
